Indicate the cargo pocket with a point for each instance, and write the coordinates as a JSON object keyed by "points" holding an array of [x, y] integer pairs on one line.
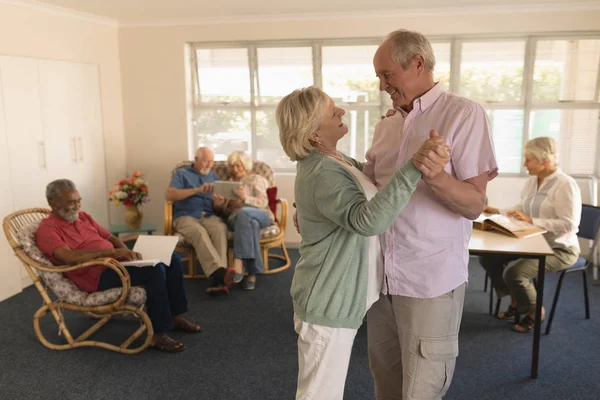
{"points": [[435, 367]]}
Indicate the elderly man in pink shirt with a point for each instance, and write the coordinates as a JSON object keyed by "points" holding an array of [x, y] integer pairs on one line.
{"points": [[413, 327]]}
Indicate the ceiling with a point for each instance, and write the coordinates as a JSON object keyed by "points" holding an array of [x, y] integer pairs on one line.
{"points": [[156, 11]]}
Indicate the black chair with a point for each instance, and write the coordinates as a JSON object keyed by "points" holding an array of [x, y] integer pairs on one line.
{"points": [[589, 228]]}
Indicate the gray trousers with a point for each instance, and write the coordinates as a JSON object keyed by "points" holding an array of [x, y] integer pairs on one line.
{"points": [[413, 345], [515, 277], [208, 236]]}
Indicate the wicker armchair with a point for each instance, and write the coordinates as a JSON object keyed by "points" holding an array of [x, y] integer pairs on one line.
{"points": [[270, 237], [20, 228]]}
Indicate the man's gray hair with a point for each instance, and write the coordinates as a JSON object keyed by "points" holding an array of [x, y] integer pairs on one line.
{"points": [[408, 44], [55, 188]]}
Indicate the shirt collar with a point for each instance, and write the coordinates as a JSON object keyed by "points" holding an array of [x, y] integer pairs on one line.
{"points": [[552, 175], [195, 171], [425, 101], [192, 169], [61, 222]]}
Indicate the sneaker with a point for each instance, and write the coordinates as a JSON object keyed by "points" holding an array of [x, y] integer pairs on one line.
{"points": [[238, 278], [249, 285]]}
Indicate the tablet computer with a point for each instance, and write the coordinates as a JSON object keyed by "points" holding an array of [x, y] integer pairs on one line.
{"points": [[225, 188]]}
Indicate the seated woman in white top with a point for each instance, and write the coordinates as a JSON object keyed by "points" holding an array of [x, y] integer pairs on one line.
{"points": [[550, 200]]}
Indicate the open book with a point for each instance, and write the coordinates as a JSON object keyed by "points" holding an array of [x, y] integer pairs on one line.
{"points": [[507, 225], [154, 249]]}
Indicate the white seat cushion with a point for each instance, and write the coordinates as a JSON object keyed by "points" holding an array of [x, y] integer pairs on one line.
{"points": [[62, 287]]}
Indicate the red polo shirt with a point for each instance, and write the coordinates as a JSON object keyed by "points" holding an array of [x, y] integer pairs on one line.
{"points": [[84, 234]]}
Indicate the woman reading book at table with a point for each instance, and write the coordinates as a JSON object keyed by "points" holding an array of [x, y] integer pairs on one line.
{"points": [[550, 200]]}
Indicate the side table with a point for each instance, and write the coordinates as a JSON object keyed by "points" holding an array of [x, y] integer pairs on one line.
{"points": [[130, 235]]}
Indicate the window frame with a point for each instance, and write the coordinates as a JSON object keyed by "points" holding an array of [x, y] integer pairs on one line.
{"points": [[527, 103]]}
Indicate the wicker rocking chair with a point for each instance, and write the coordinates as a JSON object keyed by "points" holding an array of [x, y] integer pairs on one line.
{"points": [[20, 228]]}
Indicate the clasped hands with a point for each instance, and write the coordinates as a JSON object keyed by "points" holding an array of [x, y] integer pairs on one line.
{"points": [[433, 156]]}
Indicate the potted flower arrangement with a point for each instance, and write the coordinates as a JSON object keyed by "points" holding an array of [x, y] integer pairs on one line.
{"points": [[132, 192]]}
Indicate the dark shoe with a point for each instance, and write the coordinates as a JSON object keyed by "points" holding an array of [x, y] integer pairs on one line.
{"points": [[163, 342], [526, 325], [508, 315], [183, 325], [229, 276], [217, 290], [217, 283]]}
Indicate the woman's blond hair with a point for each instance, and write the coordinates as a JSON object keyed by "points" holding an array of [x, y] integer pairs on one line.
{"points": [[298, 115], [542, 149], [244, 159]]}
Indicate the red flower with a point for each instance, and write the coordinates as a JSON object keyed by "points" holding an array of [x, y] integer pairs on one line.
{"points": [[137, 174], [127, 202], [122, 182]]}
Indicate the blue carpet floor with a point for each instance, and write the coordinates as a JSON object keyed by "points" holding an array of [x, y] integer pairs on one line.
{"points": [[248, 351]]}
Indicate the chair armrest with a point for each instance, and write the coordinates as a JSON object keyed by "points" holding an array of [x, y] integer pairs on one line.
{"points": [[108, 262], [168, 218], [283, 215]]}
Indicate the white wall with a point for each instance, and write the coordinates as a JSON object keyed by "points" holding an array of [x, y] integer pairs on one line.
{"points": [[152, 61], [31, 32], [39, 33]]}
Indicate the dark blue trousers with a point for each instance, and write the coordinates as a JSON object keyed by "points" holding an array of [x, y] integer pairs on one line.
{"points": [[165, 290]]}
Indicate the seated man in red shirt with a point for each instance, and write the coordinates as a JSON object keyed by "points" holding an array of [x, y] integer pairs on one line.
{"points": [[69, 236]]}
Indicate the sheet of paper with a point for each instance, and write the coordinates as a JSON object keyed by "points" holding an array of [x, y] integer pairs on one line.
{"points": [[154, 249], [141, 263]]}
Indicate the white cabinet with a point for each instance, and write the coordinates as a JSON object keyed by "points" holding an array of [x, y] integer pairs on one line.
{"points": [[72, 119], [10, 270], [51, 128], [89, 140], [24, 130]]}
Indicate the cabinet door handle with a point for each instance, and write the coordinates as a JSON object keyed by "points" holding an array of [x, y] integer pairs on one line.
{"points": [[43, 154], [80, 141], [74, 149]]}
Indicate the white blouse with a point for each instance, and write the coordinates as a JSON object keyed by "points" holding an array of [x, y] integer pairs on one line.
{"points": [[555, 206], [375, 272]]}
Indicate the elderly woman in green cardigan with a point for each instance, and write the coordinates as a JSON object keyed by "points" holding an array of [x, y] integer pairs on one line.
{"points": [[340, 213]]}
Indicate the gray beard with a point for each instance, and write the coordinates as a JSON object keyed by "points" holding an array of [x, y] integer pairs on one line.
{"points": [[69, 216], [204, 171]]}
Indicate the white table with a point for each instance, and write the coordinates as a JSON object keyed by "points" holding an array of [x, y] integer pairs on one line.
{"points": [[536, 247]]}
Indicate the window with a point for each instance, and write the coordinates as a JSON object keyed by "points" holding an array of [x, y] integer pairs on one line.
{"points": [[530, 86], [564, 100], [442, 62], [348, 77]]}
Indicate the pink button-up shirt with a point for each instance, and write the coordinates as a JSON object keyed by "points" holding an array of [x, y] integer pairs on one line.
{"points": [[425, 250]]}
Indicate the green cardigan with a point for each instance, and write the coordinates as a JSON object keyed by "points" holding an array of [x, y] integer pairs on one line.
{"points": [[335, 219]]}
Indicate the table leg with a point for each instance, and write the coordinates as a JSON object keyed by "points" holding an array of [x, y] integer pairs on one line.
{"points": [[538, 316]]}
